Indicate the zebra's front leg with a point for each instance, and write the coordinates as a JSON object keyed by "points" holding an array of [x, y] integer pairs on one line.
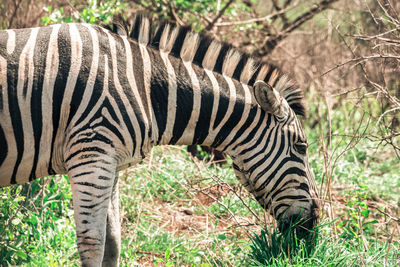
{"points": [[92, 183], [113, 232]]}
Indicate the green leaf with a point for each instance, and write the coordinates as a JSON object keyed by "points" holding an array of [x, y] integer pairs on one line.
{"points": [[167, 253], [21, 254], [222, 237], [365, 213]]}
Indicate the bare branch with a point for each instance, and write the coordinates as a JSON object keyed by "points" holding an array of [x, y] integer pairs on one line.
{"points": [[271, 42], [260, 19], [378, 36], [359, 60], [17, 5], [282, 15], [220, 13]]}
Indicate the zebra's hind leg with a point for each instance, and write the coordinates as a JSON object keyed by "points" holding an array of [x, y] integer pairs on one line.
{"points": [[92, 183], [113, 232]]}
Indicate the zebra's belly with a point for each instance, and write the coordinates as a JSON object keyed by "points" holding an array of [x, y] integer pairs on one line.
{"points": [[22, 173], [20, 164]]}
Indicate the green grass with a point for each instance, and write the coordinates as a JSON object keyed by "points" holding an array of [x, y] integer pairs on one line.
{"points": [[276, 249]]}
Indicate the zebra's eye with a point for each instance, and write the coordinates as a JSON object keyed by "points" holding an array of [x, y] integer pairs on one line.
{"points": [[301, 148]]}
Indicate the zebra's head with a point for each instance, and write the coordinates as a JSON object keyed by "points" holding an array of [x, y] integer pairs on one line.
{"points": [[274, 167]]}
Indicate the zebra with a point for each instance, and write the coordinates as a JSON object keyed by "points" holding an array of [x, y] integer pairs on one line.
{"points": [[88, 101]]}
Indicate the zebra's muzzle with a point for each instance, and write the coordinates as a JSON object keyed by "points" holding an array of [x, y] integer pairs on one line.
{"points": [[301, 218]]}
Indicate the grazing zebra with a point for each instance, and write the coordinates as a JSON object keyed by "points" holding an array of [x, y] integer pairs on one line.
{"points": [[88, 101]]}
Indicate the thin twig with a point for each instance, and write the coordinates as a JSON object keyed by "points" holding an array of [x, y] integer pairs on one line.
{"points": [[260, 19], [272, 41], [359, 60], [17, 4], [220, 13], [219, 181], [387, 214]]}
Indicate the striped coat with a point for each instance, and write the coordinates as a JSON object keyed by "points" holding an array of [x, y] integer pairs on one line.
{"points": [[88, 101]]}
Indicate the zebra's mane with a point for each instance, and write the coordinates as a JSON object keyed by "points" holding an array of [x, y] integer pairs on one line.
{"points": [[204, 51]]}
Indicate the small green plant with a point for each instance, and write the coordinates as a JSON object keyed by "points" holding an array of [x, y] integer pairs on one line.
{"points": [[94, 13], [35, 220], [358, 222]]}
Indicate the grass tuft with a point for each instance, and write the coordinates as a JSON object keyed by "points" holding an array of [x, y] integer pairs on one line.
{"points": [[272, 246]]}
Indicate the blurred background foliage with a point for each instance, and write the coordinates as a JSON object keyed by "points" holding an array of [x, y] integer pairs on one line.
{"points": [[344, 54]]}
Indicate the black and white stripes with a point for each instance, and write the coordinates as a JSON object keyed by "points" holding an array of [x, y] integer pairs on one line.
{"points": [[89, 101]]}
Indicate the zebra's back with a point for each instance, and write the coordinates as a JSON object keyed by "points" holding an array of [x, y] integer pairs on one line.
{"points": [[52, 79]]}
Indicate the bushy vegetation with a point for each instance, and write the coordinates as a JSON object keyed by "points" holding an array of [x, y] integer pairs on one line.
{"points": [[36, 225], [179, 211], [95, 12]]}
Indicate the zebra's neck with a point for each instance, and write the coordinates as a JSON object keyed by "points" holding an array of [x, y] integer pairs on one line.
{"points": [[192, 105], [198, 88]]}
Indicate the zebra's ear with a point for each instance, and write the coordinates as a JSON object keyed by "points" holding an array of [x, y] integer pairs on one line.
{"points": [[270, 100]]}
